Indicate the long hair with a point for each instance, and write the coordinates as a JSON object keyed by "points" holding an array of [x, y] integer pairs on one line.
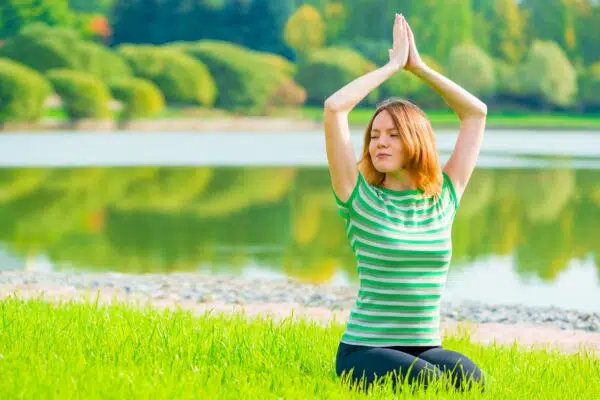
{"points": [[420, 155]]}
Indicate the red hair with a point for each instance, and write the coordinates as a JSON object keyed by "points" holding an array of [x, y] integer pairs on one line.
{"points": [[420, 155]]}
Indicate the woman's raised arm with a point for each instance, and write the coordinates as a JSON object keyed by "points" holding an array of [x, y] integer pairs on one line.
{"points": [[340, 153], [471, 111]]}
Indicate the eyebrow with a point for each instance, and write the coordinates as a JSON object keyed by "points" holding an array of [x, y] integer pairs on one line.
{"points": [[388, 130]]}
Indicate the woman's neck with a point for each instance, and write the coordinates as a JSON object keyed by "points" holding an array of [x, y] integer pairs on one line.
{"points": [[400, 180]]}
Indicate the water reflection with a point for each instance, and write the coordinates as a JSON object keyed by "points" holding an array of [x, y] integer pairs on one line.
{"points": [[158, 219]]}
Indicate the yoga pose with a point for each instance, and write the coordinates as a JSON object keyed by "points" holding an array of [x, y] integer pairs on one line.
{"points": [[399, 204]]}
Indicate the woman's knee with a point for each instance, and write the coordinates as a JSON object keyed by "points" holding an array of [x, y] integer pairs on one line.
{"points": [[461, 369]]}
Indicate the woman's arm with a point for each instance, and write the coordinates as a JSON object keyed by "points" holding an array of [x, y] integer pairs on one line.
{"points": [[470, 110], [340, 153]]}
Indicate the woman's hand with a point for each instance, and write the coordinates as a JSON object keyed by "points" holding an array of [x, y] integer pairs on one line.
{"points": [[414, 61], [400, 47]]}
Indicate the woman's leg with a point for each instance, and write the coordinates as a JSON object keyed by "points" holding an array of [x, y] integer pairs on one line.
{"points": [[376, 362], [462, 367]]}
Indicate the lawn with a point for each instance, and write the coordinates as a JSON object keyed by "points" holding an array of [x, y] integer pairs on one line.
{"points": [[515, 120], [88, 350], [360, 117]]}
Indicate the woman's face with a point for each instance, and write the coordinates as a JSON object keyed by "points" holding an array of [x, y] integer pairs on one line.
{"points": [[385, 146]]}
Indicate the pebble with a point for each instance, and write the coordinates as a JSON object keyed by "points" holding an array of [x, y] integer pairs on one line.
{"points": [[233, 290]]}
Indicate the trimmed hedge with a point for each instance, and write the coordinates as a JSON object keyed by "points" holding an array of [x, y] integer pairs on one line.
{"points": [[246, 80], [44, 48], [181, 78], [83, 95], [102, 62], [23, 92], [140, 98], [327, 70]]}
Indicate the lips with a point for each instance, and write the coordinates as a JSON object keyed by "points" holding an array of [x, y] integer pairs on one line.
{"points": [[382, 155]]}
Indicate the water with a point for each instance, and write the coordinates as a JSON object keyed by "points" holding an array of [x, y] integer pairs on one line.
{"points": [[261, 206]]}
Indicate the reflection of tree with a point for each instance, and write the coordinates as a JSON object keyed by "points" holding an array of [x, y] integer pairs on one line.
{"points": [[469, 225], [223, 219], [546, 193]]}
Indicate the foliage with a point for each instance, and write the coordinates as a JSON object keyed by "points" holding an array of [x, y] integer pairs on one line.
{"points": [[22, 92], [246, 80], [326, 70], [140, 97], [83, 95], [548, 74], [471, 68], [305, 30], [181, 78]]}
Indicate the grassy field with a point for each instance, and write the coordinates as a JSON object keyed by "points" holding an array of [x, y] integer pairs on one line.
{"points": [[506, 120], [360, 117], [84, 350]]}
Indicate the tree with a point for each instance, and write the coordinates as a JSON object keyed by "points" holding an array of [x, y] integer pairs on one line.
{"points": [[15, 14], [305, 30]]}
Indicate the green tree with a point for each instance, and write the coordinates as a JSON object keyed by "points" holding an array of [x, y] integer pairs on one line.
{"points": [[548, 74], [305, 30], [15, 14]]}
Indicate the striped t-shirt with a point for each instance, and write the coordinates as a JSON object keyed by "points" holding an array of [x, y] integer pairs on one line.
{"points": [[402, 244]]}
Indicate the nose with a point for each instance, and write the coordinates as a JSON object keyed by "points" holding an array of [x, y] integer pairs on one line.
{"points": [[383, 141]]}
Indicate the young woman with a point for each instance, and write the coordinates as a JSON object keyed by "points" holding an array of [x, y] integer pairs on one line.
{"points": [[399, 205]]}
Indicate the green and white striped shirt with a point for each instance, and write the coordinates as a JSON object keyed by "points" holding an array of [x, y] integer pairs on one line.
{"points": [[403, 246]]}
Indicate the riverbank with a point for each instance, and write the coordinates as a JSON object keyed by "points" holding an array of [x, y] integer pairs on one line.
{"points": [[294, 120], [568, 330]]}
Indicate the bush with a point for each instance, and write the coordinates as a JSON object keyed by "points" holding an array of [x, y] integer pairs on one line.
{"points": [[140, 98], [83, 95], [424, 95], [101, 62], [590, 87], [325, 71], [181, 78], [281, 63], [22, 92], [44, 48], [471, 68], [548, 75], [246, 80]]}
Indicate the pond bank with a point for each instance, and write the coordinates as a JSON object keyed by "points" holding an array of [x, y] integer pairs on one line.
{"points": [[249, 124], [565, 329]]}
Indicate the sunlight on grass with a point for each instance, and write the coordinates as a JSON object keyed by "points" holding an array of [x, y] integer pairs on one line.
{"points": [[76, 350]]}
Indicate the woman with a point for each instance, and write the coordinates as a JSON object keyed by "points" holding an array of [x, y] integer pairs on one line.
{"points": [[399, 205]]}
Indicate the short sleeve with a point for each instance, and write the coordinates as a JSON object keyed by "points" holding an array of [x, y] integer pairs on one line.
{"points": [[449, 187], [345, 207]]}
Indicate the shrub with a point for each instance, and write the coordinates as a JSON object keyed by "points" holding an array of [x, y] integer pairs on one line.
{"points": [[140, 98], [590, 87], [548, 74], [181, 78], [246, 81], [326, 70], [83, 95], [43, 48], [473, 69], [22, 92], [102, 62]]}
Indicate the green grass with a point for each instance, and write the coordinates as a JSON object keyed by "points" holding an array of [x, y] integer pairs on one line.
{"points": [[360, 117], [87, 350], [439, 119]]}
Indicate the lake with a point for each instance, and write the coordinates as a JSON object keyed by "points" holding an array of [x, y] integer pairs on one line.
{"points": [[261, 205]]}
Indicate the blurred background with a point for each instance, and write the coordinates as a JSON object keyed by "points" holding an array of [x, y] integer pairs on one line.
{"points": [[527, 229]]}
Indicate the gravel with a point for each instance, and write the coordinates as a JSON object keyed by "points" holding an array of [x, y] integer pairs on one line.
{"points": [[231, 290]]}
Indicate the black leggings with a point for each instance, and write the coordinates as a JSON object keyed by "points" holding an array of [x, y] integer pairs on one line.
{"points": [[429, 363]]}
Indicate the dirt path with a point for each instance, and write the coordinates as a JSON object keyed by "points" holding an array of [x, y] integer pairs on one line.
{"points": [[528, 335]]}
